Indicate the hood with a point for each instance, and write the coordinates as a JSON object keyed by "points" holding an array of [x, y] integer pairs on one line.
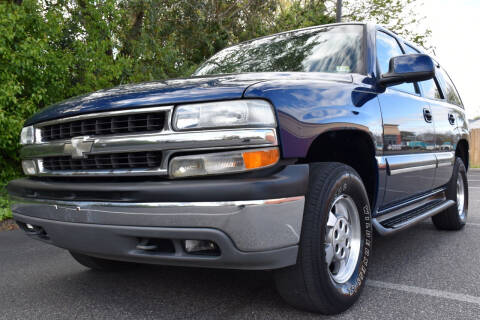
{"points": [[168, 92]]}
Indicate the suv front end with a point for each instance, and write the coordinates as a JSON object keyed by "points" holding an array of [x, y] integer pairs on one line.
{"points": [[198, 184]]}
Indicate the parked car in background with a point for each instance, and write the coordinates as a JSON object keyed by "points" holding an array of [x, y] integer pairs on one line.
{"points": [[282, 153]]}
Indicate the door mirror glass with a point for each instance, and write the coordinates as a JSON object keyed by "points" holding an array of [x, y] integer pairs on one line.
{"points": [[408, 68]]}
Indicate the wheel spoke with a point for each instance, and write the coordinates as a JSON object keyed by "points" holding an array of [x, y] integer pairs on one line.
{"points": [[332, 219], [341, 210], [341, 268], [329, 254]]}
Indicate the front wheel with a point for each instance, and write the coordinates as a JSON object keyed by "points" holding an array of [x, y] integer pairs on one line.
{"points": [[335, 243]]}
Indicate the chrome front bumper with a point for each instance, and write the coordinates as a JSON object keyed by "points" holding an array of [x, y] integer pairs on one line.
{"points": [[254, 234]]}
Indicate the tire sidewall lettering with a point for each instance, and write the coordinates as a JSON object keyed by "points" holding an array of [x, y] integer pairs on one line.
{"points": [[355, 283]]}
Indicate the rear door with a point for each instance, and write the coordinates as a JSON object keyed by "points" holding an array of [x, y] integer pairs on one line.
{"points": [[409, 136], [446, 107], [446, 113]]}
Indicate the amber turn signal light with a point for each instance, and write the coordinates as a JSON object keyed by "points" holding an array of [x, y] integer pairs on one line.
{"points": [[261, 158]]}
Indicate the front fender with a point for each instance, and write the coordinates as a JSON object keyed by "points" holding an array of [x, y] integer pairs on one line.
{"points": [[307, 108]]}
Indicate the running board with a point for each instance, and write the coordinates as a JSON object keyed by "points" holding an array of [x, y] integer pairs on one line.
{"points": [[410, 218]]}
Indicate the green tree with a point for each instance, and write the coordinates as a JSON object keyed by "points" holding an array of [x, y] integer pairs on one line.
{"points": [[400, 16], [51, 50]]}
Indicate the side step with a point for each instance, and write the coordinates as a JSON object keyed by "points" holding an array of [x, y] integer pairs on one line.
{"points": [[409, 218]]}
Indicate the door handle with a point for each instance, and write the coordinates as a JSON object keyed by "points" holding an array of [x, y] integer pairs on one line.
{"points": [[451, 119], [427, 115]]}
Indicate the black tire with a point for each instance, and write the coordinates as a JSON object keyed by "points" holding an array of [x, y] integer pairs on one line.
{"points": [[451, 219], [99, 264], [308, 285]]}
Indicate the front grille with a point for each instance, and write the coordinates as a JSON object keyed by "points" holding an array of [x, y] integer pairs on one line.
{"points": [[141, 122], [131, 160]]}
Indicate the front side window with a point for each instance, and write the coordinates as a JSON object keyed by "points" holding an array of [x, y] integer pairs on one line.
{"points": [[387, 48], [410, 50], [429, 87], [336, 49], [449, 91]]}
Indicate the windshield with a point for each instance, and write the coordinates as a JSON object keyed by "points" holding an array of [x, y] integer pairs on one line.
{"points": [[336, 49]]}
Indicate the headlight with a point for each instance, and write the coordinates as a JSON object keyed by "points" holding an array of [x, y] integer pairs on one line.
{"points": [[223, 162], [236, 113], [29, 167], [28, 135]]}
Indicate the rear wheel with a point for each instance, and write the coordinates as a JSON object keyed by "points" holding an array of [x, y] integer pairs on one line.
{"points": [[101, 264], [335, 243], [455, 217]]}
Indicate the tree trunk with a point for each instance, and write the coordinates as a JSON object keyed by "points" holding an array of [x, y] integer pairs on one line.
{"points": [[134, 32]]}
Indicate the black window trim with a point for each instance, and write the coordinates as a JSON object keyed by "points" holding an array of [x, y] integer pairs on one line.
{"points": [[444, 90]]}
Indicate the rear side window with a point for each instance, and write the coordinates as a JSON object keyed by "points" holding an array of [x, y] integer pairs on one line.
{"points": [[387, 48], [449, 91], [429, 87]]}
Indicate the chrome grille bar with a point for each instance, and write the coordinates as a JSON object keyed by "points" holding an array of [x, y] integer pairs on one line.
{"points": [[161, 141]]}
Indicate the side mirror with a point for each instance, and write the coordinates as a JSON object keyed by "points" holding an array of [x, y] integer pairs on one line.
{"points": [[408, 68]]}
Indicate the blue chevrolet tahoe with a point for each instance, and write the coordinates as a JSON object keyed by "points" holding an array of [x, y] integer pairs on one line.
{"points": [[283, 153]]}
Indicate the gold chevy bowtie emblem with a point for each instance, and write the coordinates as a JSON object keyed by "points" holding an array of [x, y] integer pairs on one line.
{"points": [[78, 147]]}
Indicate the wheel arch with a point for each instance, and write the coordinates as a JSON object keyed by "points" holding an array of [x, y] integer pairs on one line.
{"points": [[352, 147], [462, 151]]}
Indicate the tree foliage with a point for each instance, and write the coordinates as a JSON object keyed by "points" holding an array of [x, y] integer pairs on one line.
{"points": [[54, 49], [399, 16]]}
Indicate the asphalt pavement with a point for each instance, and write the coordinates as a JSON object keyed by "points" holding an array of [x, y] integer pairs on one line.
{"points": [[421, 273]]}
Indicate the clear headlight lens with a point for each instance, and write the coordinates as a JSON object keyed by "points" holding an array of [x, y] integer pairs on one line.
{"points": [[235, 113], [27, 136], [223, 162], [29, 167]]}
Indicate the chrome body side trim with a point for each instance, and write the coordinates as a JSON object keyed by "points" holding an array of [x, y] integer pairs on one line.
{"points": [[257, 225], [410, 162], [397, 164], [445, 159], [413, 169]]}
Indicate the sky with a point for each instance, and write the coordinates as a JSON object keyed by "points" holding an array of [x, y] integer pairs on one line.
{"points": [[455, 26]]}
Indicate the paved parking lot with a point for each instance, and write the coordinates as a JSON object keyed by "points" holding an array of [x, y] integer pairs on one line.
{"points": [[421, 273]]}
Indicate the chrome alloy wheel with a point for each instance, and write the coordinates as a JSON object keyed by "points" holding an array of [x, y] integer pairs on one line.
{"points": [[342, 238], [461, 197]]}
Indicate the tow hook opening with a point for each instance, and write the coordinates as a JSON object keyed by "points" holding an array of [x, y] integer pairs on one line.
{"points": [[153, 245]]}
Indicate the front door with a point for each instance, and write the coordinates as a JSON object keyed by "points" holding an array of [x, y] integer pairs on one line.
{"points": [[409, 134]]}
